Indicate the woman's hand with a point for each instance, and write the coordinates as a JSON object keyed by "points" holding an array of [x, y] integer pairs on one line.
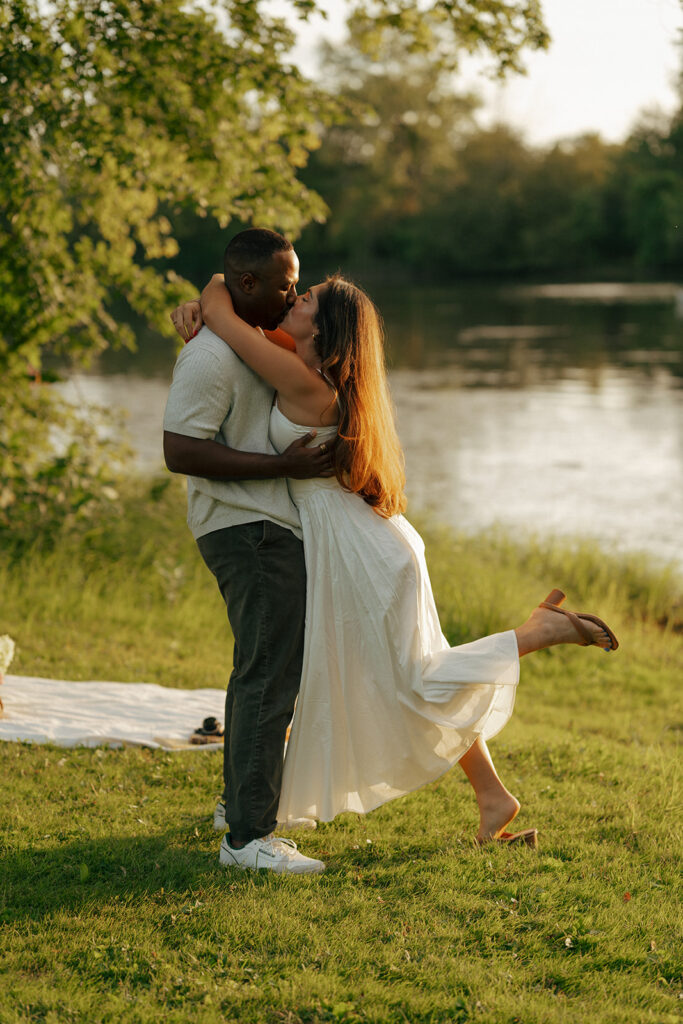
{"points": [[187, 319]]}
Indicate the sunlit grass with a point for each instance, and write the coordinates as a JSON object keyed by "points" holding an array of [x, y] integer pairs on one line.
{"points": [[130, 599], [112, 904]]}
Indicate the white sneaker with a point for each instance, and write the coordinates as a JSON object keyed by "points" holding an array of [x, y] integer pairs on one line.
{"points": [[219, 822], [272, 853], [221, 825]]}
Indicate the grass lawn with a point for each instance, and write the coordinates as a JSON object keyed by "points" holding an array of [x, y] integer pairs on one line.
{"points": [[112, 903]]}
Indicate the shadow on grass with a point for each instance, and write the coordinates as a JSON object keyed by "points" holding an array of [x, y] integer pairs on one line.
{"points": [[41, 880], [65, 875]]}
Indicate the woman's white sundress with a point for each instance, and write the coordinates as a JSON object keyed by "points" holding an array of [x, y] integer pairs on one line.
{"points": [[385, 704]]}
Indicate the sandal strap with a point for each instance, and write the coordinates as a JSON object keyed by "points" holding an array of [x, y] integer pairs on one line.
{"points": [[576, 622]]}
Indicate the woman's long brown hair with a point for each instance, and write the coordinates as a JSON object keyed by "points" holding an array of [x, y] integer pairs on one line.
{"points": [[350, 343]]}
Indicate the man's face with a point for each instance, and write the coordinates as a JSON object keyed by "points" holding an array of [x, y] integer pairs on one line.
{"points": [[273, 290]]}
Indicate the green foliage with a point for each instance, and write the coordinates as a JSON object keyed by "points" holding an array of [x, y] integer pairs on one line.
{"points": [[131, 579], [114, 117], [118, 116], [414, 184], [444, 29], [651, 181], [381, 172], [58, 470], [117, 119]]}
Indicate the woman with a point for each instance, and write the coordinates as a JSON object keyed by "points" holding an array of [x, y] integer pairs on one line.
{"points": [[385, 704]]}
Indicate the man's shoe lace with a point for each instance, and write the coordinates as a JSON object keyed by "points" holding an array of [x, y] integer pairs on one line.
{"points": [[277, 845]]}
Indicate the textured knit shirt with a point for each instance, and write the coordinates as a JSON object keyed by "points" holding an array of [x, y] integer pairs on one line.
{"points": [[215, 395]]}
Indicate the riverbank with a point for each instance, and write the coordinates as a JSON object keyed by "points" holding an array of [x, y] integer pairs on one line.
{"points": [[113, 907], [555, 405], [129, 594]]}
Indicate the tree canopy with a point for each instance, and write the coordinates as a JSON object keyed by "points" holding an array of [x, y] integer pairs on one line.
{"points": [[117, 114], [119, 118], [417, 186]]}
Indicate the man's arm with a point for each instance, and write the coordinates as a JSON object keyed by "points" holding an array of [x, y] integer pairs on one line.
{"points": [[198, 402], [196, 456]]}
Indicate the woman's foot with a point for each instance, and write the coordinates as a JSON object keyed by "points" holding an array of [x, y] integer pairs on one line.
{"points": [[495, 813], [546, 628]]}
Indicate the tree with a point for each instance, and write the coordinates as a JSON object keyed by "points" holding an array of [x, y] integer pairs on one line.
{"points": [[500, 29], [119, 115], [116, 114], [378, 171], [649, 187]]}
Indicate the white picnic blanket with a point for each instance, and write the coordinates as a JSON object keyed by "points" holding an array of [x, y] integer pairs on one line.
{"points": [[96, 714]]}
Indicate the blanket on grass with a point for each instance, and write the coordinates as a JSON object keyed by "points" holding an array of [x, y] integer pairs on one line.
{"points": [[97, 714]]}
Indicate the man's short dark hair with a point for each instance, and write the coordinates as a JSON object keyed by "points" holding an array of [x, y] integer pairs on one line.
{"points": [[250, 250]]}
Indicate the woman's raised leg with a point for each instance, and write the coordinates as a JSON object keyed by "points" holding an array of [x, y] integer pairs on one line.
{"points": [[543, 628]]}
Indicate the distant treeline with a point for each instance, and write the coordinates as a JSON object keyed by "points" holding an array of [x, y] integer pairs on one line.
{"points": [[505, 207], [411, 182]]}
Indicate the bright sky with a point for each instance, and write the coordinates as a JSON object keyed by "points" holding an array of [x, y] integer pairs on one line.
{"points": [[608, 60]]}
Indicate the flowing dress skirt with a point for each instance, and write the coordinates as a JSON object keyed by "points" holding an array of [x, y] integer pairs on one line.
{"points": [[385, 704]]}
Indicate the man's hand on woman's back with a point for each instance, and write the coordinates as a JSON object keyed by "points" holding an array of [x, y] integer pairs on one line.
{"points": [[303, 462]]}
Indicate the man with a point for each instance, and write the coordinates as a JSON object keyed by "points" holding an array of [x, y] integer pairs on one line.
{"points": [[248, 532]]}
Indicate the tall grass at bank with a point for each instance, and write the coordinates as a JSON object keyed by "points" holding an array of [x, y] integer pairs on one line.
{"points": [[130, 598], [112, 905]]}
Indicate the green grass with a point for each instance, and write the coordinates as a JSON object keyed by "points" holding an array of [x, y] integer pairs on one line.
{"points": [[112, 904]]}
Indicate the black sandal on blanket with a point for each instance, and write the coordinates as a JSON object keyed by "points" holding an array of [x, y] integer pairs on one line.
{"points": [[210, 731]]}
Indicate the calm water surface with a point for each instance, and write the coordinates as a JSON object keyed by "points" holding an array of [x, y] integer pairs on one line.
{"points": [[553, 409]]}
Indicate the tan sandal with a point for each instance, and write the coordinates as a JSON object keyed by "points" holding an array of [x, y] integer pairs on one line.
{"points": [[527, 837], [555, 599]]}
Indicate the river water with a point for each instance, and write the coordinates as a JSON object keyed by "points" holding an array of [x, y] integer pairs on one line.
{"points": [[550, 409]]}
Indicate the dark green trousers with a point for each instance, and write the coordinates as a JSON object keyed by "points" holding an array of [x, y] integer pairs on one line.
{"points": [[260, 571]]}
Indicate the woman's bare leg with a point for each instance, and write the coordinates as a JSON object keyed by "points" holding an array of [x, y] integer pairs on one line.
{"points": [[497, 806]]}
